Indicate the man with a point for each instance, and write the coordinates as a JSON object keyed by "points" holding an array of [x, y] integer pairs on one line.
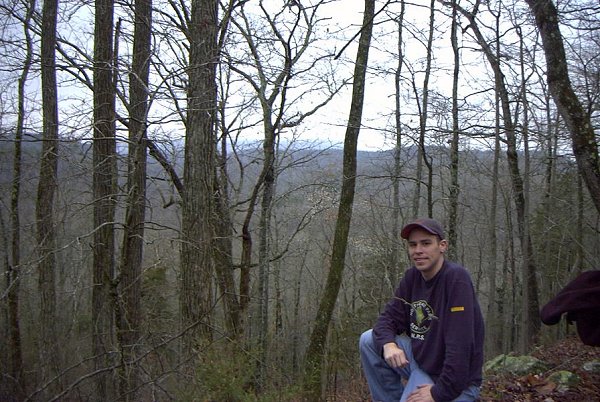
{"points": [[427, 345]]}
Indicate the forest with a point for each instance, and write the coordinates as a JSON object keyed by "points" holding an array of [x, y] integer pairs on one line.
{"points": [[201, 200]]}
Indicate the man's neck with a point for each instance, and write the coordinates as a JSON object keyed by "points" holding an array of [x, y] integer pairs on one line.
{"points": [[430, 275]]}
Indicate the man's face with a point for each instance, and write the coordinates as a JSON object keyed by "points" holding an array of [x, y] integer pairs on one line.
{"points": [[426, 251]]}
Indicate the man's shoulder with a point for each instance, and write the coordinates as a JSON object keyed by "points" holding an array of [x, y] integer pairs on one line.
{"points": [[456, 271]]}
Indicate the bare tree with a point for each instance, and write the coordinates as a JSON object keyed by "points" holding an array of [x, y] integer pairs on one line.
{"points": [[104, 191], [396, 212], [271, 70], [531, 304], [585, 146], [454, 156], [532, 329], [198, 208], [313, 365], [224, 266], [14, 267], [494, 345], [129, 312], [47, 186], [423, 106]]}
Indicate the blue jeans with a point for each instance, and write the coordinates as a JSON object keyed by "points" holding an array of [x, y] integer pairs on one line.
{"points": [[385, 382]]}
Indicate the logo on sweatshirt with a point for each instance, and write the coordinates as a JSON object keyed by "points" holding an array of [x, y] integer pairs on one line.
{"points": [[421, 317]]}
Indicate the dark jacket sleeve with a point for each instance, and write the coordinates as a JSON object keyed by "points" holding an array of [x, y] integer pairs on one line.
{"points": [[582, 293], [461, 328], [394, 320], [580, 300]]}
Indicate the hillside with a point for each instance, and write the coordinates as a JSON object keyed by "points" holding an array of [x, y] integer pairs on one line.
{"points": [[569, 354]]}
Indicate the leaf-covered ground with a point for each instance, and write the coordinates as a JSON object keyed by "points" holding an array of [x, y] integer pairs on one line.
{"points": [[569, 354]]}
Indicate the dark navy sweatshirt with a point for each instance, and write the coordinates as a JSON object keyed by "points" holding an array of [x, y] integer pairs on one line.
{"points": [[444, 321]]}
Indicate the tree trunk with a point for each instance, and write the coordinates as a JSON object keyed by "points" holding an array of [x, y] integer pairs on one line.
{"points": [[264, 248], [531, 304], [47, 185], [313, 365], [581, 208], [454, 185], [13, 268], [104, 189], [224, 247], [425, 115], [396, 215], [129, 308], [550, 171], [496, 296], [198, 210], [224, 266], [297, 315], [423, 106], [530, 293], [585, 146]]}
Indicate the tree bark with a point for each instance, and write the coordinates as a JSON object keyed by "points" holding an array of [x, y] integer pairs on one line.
{"points": [[198, 210], [530, 290], [422, 158], [264, 246], [396, 215], [495, 299], [129, 305], [224, 247], [104, 190], [13, 268], [454, 158], [47, 185], [313, 365], [224, 266], [585, 145]]}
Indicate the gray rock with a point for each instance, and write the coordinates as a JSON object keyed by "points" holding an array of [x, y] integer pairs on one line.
{"points": [[518, 365], [564, 380], [592, 366]]}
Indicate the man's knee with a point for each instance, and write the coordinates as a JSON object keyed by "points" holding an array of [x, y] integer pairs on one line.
{"points": [[366, 340]]}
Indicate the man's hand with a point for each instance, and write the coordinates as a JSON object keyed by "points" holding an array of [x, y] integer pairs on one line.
{"points": [[421, 394], [394, 356]]}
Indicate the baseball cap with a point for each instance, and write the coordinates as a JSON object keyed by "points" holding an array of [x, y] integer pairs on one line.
{"points": [[429, 225]]}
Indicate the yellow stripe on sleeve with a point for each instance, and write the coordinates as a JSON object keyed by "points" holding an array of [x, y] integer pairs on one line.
{"points": [[456, 309]]}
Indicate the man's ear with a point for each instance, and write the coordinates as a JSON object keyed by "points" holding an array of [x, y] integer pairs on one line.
{"points": [[444, 245]]}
